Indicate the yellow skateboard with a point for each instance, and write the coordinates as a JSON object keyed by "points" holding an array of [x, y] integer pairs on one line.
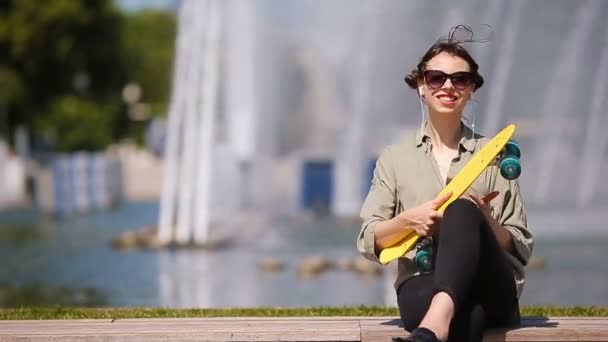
{"points": [[510, 168]]}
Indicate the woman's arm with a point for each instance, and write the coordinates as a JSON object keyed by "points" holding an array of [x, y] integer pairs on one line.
{"points": [[379, 206], [503, 236], [422, 219], [382, 226], [512, 217], [389, 232], [510, 225]]}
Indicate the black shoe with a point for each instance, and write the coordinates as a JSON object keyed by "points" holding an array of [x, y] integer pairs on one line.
{"points": [[419, 335]]}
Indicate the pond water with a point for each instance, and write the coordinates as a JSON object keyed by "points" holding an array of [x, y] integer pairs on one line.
{"points": [[76, 253]]}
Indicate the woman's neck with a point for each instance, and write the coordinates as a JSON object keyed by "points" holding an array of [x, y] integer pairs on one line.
{"points": [[445, 130]]}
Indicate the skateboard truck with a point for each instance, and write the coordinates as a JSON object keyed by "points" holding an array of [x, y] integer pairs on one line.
{"points": [[508, 161], [424, 255]]}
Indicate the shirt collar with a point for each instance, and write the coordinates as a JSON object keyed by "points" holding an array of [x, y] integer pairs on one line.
{"points": [[467, 141]]}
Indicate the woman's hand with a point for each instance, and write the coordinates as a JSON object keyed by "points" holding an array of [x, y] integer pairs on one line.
{"points": [[424, 218], [482, 202]]}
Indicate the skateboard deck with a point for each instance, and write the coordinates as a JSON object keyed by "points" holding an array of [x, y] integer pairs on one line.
{"points": [[458, 186]]}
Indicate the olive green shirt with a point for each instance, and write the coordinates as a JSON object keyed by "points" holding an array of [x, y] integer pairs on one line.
{"points": [[407, 175]]}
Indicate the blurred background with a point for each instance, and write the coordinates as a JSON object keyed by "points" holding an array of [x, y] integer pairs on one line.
{"points": [[215, 153]]}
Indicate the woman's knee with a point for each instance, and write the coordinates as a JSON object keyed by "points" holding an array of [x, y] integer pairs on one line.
{"points": [[461, 205], [461, 216], [462, 209]]}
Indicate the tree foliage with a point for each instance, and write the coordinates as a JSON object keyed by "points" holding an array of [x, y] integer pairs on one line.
{"points": [[75, 123], [66, 64], [149, 37]]}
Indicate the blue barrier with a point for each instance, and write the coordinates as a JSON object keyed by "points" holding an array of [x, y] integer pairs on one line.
{"points": [[85, 181], [317, 185], [369, 175]]}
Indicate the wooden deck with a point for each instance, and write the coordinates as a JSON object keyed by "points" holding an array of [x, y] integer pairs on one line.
{"points": [[279, 329]]}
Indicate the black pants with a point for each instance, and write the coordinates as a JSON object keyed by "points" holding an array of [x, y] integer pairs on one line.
{"points": [[471, 267]]}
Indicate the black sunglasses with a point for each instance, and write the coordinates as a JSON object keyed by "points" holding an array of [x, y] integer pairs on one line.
{"points": [[436, 78]]}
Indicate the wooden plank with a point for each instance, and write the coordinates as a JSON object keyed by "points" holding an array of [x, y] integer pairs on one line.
{"points": [[554, 329], [160, 325], [381, 329], [188, 329], [281, 329], [533, 329]]}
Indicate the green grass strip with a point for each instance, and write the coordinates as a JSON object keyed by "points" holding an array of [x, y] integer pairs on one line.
{"points": [[121, 313]]}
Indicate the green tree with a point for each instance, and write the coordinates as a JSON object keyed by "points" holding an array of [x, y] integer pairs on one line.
{"points": [[66, 64], [75, 123], [149, 39], [57, 48]]}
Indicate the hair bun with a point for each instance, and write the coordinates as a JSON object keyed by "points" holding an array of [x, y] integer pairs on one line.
{"points": [[412, 79]]}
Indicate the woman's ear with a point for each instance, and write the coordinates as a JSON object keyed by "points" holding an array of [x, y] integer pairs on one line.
{"points": [[421, 93], [420, 90]]}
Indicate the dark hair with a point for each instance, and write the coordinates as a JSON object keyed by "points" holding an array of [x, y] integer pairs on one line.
{"points": [[452, 46]]}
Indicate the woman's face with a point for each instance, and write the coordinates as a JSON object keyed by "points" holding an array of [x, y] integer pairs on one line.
{"points": [[451, 96]]}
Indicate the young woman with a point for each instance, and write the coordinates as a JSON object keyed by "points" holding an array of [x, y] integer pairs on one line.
{"points": [[479, 245]]}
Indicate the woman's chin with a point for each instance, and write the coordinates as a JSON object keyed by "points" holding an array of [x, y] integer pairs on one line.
{"points": [[447, 110]]}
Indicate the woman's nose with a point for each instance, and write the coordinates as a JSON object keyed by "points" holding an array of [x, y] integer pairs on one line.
{"points": [[448, 84]]}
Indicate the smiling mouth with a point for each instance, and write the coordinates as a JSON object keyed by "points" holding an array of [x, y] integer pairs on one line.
{"points": [[447, 99]]}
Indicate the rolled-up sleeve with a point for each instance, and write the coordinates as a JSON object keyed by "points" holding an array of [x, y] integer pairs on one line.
{"points": [[513, 218], [379, 205]]}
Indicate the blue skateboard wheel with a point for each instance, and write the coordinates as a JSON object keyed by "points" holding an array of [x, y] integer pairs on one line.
{"points": [[510, 168], [424, 260], [512, 149]]}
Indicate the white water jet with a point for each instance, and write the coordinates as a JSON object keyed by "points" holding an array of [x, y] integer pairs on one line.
{"points": [[594, 147], [241, 94], [191, 127], [557, 102], [172, 149], [349, 170], [500, 80], [206, 127], [490, 16], [321, 100], [194, 79]]}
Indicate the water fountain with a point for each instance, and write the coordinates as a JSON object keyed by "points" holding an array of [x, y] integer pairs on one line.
{"points": [[596, 140], [241, 102], [489, 16], [502, 69], [241, 96], [350, 158], [172, 149], [557, 102], [191, 128], [192, 114], [249, 62], [206, 126]]}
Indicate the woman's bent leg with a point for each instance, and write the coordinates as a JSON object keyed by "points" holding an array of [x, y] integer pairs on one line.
{"points": [[470, 263], [471, 268], [414, 298]]}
